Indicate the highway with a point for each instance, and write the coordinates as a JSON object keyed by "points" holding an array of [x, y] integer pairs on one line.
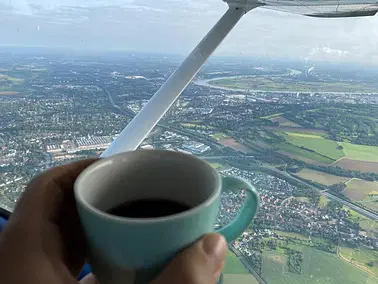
{"points": [[360, 210], [355, 207]]}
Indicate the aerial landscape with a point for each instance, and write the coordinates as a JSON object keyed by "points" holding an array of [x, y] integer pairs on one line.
{"points": [[304, 134]]}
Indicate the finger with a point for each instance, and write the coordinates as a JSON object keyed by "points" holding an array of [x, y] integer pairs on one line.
{"points": [[46, 193], [89, 279], [200, 264]]}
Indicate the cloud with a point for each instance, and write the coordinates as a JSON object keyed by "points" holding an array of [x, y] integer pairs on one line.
{"points": [[178, 25]]}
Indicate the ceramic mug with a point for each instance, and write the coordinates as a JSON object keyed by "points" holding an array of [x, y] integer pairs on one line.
{"points": [[135, 250]]}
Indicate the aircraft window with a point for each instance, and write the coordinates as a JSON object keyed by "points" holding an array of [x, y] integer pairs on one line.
{"points": [[289, 101]]}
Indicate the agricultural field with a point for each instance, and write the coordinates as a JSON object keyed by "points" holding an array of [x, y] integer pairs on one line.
{"points": [[272, 116], [233, 265], [371, 167], [7, 83], [324, 147], [219, 136], [317, 267], [291, 235], [323, 201], [363, 258], [217, 166], [235, 272], [196, 126], [232, 143], [364, 192], [239, 279], [8, 93], [282, 83], [310, 131], [284, 121], [320, 177], [359, 152], [302, 199], [290, 149], [370, 226]]}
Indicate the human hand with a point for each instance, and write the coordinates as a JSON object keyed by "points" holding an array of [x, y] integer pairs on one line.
{"points": [[201, 263], [44, 242]]}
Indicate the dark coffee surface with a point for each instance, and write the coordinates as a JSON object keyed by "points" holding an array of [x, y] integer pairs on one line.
{"points": [[148, 208]]}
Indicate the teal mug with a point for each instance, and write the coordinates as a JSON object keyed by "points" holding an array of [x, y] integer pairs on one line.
{"points": [[134, 250]]}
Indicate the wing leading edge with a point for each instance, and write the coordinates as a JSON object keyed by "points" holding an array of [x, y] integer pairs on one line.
{"points": [[318, 8]]}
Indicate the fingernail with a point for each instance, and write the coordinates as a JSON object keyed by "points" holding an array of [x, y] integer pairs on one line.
{"points": [[89, 279], [215, 246]]}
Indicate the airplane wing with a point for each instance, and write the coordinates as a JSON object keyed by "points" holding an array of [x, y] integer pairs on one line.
{"points": [[319, 8]]}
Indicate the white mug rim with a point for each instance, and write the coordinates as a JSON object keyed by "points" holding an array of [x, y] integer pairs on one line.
{"points": [[110, 160]]}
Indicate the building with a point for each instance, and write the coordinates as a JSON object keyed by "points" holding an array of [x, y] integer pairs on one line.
{"points": [[195, 147]]}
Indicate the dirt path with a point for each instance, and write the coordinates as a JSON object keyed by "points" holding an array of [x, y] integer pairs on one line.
{"points": [[361, 267]]}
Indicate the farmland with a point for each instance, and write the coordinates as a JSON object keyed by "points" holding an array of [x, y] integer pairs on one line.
{"points": [[291, 149], [239, 279], [235, 272], [365, 223], [360, 152], [281, 83], [324, 147], [233, 265], [362, 166], [219, 136], [317, 267], [364, 192], [7, 83], [320, 177], [362, 258], [291, 235], [232, 143], [323, 202], [283, 121]]}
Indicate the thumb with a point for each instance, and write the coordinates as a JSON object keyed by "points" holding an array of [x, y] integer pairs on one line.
{"points": [[89, 279], [201, 263]]}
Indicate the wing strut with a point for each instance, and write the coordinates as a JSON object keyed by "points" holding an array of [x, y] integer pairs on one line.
{"points": [[136, 131]]}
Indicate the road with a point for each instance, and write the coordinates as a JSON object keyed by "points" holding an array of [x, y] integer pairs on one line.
{"points": [[355, 207], [247, 265], [131, 114], [360, 210]]}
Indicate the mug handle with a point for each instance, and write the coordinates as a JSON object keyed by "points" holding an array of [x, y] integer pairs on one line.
{"points": [[233, 230]]}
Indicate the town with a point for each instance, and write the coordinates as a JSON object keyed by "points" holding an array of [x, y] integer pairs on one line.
{"points": [[55, 110]]}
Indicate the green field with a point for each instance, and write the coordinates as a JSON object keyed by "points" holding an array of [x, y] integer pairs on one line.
{"points": [[370, 226], [360, 257], [303, 199], [192, 125], [291, 235], [272, 115], [233, 265], [219, 136], [318, 267], [320, 177], [282, 83], [292, 149], [323, 201], [239, 279], [7, 83], [360, 152], [320, 145], [217, 166]]}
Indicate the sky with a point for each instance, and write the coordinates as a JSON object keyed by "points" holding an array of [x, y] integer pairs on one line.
{"points": [[178, 25]]}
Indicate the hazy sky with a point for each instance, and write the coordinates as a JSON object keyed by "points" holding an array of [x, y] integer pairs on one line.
{"points": [[177, 26]]}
